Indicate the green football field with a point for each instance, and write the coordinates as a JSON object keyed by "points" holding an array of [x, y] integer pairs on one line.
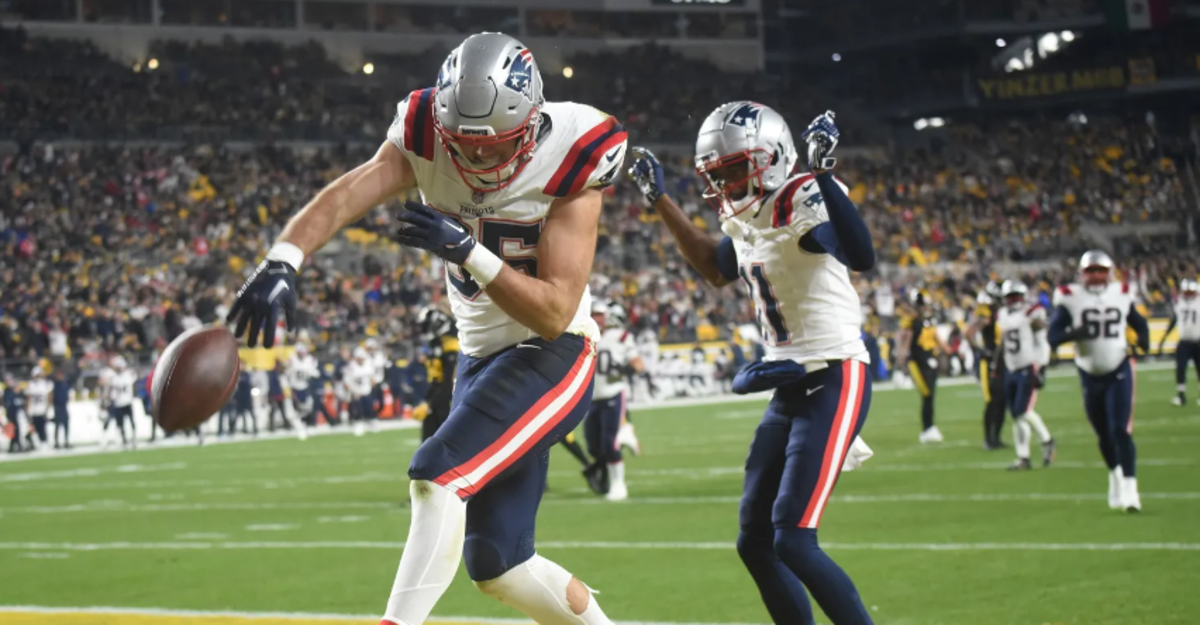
{"points": [[933, 534]]}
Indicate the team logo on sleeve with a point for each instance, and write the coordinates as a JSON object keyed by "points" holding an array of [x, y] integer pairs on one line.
{"points": [[520, 73], [748, 115]]}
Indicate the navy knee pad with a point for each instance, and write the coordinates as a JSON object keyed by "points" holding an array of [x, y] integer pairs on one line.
{"points": [[486, 559], [431, 460], [755, 549]]}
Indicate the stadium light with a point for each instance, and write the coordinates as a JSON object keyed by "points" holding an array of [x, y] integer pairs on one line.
{"points": [[1000, 42], [921, 124], [152, 64], [1067, 36], [837, 57], [568, 72], [1014, 65], [936, 122], [137, 67], [368, 68]]}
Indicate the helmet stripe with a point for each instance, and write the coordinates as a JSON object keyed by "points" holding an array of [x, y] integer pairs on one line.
{"points": [[584, 156]]}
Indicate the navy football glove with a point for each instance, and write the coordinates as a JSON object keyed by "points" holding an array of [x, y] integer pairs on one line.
{"points": [[424, 228], [821, 137], [647, 173], [269, 290]]}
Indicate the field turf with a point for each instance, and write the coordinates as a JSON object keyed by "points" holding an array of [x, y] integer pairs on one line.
{"points": [[936, 534]]}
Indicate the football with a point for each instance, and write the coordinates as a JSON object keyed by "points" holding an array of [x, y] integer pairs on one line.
{"points": [[194, 377]]}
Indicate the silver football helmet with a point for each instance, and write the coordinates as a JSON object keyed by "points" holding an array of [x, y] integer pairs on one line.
{"points": [[1014, 293], [1189, 288], [744, 152], [1096, 268], [487, 108], [616, 317]]}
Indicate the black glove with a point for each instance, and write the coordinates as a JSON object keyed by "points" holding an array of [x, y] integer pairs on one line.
{"points": [[271, 288]]}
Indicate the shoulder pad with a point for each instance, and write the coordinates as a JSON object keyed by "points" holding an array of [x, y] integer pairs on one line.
{"points": [[1125, 287], [593, 158], [412, 129], [785, 202], [1064, 289], [1034, 309]]}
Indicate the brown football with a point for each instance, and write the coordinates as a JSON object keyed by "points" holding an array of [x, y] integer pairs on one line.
{"points": [[194, 377]]}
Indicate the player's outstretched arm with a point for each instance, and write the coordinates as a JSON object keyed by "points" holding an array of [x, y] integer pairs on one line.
{"points": [[846, 237], [1141, 327], [345, 200], [717, 262]]}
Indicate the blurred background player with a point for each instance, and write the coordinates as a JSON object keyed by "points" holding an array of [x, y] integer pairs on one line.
{"points": [[1186, 317], [243, 401], [62, 415], [37, 403], [378, 360], [1096, 315], [984, 334], [358, 375], [440, 335], [792, 239], [1023, 330], [119, 384], [616, 358], [14, 407], [301, 371], [276, 398], [919, 345]]}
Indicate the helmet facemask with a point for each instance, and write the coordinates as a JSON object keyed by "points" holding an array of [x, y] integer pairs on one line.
{"points": [[505, 154], [734, 181], [1096, 277]]}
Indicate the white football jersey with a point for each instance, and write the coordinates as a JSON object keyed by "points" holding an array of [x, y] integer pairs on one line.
{"points": [[806, 305], [358, 378], [1023, 346], [577, 147], [120, 387], [379, 364], [38, 393], [300, 370], [648, 349], [614, 352], [1187, 319], [1106, 315]]}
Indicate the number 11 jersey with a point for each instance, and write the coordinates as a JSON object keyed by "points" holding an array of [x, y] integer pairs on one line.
{"points": [[578, 147], [1105, 314]]}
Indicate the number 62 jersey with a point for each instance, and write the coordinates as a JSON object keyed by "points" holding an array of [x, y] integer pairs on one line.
{"points": [[578, 147], [1105, 314]]}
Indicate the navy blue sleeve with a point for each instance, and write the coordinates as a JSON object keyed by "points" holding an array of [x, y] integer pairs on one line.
{"points": [[1139, 325], [823, 240], [727, 262], [1060, 326], [853, 237]]}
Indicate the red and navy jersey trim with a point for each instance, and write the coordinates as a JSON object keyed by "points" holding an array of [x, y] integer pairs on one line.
{"points": [[1033, 309], [1065, 289], [584, 156], [418, 124], [784, 204]]}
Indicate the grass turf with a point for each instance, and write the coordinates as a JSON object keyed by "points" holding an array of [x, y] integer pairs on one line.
{"points": [[931, 534]]}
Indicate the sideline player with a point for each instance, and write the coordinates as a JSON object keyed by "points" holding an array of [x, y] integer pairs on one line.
{"points": [[300, 372], [1023, 330], [984, 334], [440, 335], [616, 357], [511, 190], [918, 343], [1187, 317], [791, 239], [1096, 315]]}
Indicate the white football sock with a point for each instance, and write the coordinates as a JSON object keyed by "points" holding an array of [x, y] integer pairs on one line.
{"points": [[1021, 436], [1039, 426], [431, 554], [538, 588], [616, 474]]}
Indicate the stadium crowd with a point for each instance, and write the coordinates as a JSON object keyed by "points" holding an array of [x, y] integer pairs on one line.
{"points": [[117, 248]]}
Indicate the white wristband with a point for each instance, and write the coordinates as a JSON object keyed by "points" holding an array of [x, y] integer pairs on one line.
{"points": [[288, 253], [483, 265]]}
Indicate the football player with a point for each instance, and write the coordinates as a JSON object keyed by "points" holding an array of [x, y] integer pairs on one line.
{"points": [[300, 371], [37, 402], [1022, 327], [616, 358], [1095, 315], [1187, 318], [357, 376], [792, 239], [511, 189], [919, 345], [984, 334], [440, 334]]}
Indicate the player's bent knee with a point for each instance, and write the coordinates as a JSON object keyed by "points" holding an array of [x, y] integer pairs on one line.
{"points": [[431, 460], [795, 544], [485, 560], [755, 548]]}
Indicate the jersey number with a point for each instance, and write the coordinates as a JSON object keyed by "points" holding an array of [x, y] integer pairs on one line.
{"points": [[513, 241], [765, 304], [1104, 323], [605, 366], [1012, 339], [1189, 317]]}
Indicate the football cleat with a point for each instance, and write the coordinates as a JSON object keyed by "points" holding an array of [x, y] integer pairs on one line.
{"points": [[1131, 501], [932, 435], [1020, 464], [1178, 401], [1114, 488], [597, 478], [1049, 451], [617, 493]]}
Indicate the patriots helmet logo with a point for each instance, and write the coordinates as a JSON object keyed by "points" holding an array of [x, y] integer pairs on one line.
{"points": [[747, 115], [520, 73]]}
